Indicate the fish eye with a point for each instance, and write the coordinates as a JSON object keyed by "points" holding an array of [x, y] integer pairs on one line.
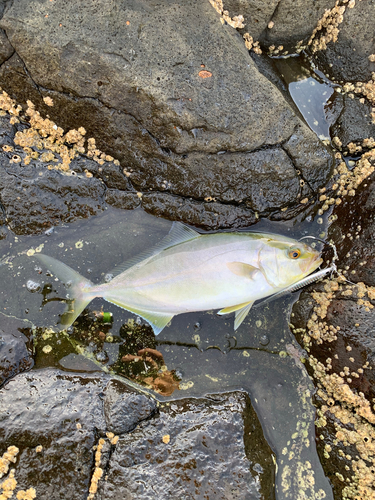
{"points": [[294, 253]]}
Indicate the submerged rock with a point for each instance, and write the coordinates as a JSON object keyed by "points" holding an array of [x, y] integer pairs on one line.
{"points": [[15, 349]]}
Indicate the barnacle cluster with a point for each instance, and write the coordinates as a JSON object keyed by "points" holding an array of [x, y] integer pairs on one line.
{"points": [[9, 484], [343, 405], [43, 140], [98, 470], [347, 181], [327, 28], [235, 22]]}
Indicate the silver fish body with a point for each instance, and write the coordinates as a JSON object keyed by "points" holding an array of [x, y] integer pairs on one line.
{"points": [[192, 272]]}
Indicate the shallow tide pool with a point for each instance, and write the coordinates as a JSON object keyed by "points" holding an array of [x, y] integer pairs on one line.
{"points": [[197, 354]]}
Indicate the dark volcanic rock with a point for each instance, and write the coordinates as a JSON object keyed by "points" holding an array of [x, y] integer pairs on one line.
{"points": [[354, 123], [294, 21], [347, 60], [15, 350], [124, 408], [7, 132], [209, 215], [122, 199], [167, 119], [347, 362], [195, 449], [62, 413], [354, 232], [35, 198]]}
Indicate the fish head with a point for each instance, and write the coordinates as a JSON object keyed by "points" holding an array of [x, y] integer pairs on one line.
{"points": [[286, 261]]}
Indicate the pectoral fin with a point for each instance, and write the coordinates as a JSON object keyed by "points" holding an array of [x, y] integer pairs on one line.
{"points": [[157, 320], [242, 269], [241, 314]]}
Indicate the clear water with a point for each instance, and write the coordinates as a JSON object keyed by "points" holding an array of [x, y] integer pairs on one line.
{"points": [[201, 349]]}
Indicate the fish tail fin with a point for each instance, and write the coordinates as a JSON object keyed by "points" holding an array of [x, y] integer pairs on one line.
{"points": [[78, 289]]}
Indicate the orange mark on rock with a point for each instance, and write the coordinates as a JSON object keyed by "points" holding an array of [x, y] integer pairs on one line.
{"points": [[128, 22], [205, 74]]}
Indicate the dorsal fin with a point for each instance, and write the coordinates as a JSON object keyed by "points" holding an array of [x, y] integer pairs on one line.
{"points": [[179, 233]]}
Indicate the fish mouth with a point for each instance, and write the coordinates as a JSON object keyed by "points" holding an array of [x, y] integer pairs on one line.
{"points": [[310, 265]]}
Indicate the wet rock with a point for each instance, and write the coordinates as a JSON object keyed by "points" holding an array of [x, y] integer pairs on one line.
{"points": [[354, 232], [51, 196], [347, 60], [208, 215], [354, 123], [124, 409], [122, 199], [6, 50], [334, 322], [108, 172], [63, 425], [195, 449], [309, 159], [166, 122], [60, 413], [15, 348], [7, 132], [294, 21]]}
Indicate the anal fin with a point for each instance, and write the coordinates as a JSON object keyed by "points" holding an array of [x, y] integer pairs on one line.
{"points": [[231, 309], [241, 311], [241, 314], [157, 320]]}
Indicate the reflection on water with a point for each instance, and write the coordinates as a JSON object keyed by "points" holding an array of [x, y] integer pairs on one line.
{"points": [[312, 93], [198, 354]]}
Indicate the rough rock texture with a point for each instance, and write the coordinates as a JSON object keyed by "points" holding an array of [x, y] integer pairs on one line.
{"points": [[349, 380], [62, 413], [124, 408], [294, 21], [354, 122], [356, 217], [51, 196], [15, 350], [209, 215], [61, 422], [347, 60], [185, 453], [188, 109]]}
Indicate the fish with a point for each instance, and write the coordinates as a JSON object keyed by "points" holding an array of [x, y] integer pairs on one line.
{"points": [[188, 271]]}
